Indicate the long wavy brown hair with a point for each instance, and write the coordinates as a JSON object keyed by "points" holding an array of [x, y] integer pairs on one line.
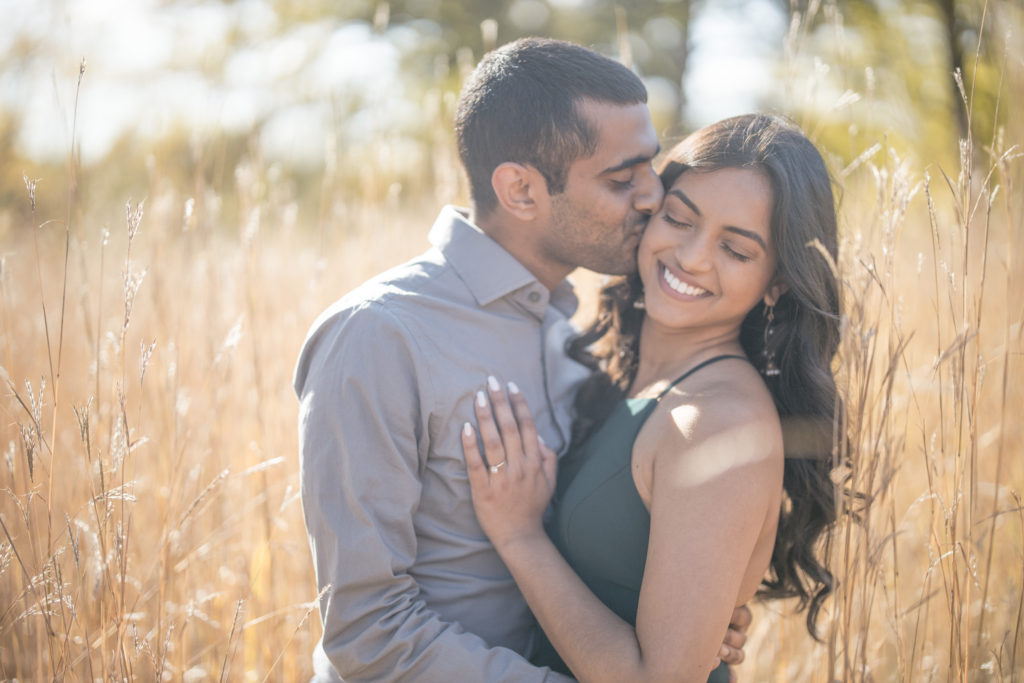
{"points": [[803, 343]]}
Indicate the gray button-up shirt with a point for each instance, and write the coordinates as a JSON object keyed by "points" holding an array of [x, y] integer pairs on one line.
{"points": [[385, 380]]}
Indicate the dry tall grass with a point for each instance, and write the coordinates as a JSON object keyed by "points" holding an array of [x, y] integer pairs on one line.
{"points": [[150, 511], [151, 526], [931, 571]]}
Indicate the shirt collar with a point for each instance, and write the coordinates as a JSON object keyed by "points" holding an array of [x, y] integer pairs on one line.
{"points": [[489, 271]]}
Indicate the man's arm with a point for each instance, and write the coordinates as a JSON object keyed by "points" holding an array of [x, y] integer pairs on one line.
{"points": [[362, 434]]}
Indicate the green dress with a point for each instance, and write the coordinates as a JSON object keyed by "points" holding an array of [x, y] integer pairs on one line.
{"points": [[599, 522]]}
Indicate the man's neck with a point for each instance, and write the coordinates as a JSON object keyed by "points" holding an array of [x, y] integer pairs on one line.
{"points": [[520, 241]]}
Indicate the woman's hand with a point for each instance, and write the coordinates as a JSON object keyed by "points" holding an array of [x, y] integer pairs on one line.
{"points": [[512, 489]]}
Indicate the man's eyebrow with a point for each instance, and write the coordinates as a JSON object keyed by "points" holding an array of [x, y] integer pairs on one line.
{"points": [[632, 161], [749, 234]]}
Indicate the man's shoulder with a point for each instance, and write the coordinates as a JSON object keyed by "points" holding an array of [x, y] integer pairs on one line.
{"points": [[384, 315], [428, 276]]}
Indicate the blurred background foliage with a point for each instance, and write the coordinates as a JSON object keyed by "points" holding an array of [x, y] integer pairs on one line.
{"points": [[286, 151], [351, 102]]}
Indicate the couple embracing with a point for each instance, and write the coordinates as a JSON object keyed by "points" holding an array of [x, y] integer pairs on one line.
{"points": [[493, 495]]}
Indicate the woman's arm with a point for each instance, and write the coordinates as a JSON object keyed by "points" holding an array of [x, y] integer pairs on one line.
{"points": [[696, 560], [715, 483]]}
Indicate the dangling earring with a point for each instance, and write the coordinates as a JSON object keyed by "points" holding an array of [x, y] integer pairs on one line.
{"points": [[637, 290], [768, 354]]}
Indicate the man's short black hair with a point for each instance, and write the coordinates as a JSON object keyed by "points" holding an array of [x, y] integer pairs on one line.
{"points": [[520, 105]]}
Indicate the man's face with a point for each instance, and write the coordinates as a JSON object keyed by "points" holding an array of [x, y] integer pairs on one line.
{"points": [[596, 223]]}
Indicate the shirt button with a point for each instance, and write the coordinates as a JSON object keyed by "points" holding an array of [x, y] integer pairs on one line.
{"points": [[534, 297]]}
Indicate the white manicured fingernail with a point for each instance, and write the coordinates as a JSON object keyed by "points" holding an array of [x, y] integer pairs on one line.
{"points": [[467, 429], [513, 388], [492, 383], [481, 399]]}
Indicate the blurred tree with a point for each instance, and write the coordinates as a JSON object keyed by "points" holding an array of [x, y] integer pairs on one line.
{"points": [[652, 36], [954, 44], [890, 65], [856, 72]]}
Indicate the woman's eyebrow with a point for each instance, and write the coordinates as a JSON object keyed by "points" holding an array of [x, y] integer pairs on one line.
{"points": [[685, 200], [749, 234]]}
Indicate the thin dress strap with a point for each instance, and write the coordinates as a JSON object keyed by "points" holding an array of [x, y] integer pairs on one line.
{"points": [[695, 368]]}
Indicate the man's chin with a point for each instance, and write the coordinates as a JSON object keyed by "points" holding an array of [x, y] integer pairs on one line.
{"points": [[624, 268], [623, 263]]}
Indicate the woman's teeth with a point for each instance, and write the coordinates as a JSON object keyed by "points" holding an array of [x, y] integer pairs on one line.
{"points": [[681, 287]]}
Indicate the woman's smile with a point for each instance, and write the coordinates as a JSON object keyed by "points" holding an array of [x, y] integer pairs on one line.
{"points": [[679, 286]]}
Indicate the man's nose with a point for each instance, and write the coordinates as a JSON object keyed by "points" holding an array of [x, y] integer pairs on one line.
{"points": [[649, 193]]}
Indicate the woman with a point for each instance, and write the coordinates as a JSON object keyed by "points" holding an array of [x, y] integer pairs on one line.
{"points": [[669, 510]]}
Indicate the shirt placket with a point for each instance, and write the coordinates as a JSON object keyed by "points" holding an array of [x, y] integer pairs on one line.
{"points": [[535, 299]]}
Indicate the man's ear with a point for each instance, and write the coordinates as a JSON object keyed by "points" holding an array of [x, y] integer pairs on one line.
{"points": [[521, 189]]}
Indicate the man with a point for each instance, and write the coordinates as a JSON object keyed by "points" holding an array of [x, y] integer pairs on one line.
{"points": [[557, 142]]}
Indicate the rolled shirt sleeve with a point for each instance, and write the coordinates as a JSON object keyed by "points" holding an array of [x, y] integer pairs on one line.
{"points": [[364, 439]]}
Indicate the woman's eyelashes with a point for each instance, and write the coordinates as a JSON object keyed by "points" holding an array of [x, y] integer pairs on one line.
{"points": [[731, 251], [676, 222], [739, 256]]}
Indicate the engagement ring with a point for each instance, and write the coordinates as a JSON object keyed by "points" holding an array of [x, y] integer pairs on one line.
{"points": [[495, 468]]}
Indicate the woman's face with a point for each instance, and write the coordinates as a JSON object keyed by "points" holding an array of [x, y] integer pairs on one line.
{"points": [[707, 256]]}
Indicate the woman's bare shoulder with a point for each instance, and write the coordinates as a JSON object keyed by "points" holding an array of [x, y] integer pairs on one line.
{"points": [[724, 412]]}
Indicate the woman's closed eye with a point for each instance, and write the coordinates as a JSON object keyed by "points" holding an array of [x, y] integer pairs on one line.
{"points": [[677, 222], [733, 253]]}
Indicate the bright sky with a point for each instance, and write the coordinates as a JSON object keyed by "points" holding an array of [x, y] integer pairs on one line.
{"points": [[156, 67], [730, 68]]}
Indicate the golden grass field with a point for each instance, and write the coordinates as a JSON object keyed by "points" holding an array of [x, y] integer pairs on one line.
{"points": [[151, 523]]}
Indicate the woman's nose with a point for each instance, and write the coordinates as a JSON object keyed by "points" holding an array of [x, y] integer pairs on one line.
{"points": [[694, 252]]}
